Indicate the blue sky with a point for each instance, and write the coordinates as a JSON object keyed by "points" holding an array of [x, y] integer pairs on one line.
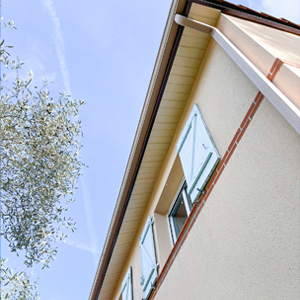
{"points": [[102, 52]]}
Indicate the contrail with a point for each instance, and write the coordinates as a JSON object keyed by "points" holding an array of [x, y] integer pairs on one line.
{"points": [[83, 247], [89, 219], [60, 51], [59, 44]]}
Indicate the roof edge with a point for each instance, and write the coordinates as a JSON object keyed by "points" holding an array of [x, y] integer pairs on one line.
{"points": [[159, 77]]}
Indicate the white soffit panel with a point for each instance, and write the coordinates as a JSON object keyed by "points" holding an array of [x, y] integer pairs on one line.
{"points": [[184, 69]]}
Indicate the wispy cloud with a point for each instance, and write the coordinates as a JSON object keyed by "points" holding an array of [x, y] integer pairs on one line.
{"points": [[59, 44], [61, 54], [91, 250], [89, 218]]}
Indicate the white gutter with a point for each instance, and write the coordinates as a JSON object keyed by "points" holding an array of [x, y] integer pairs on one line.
{"points": [[283, 105]]}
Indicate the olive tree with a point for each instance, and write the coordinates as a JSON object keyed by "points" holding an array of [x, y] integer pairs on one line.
{"points": [[39, 167], [17, 285]]}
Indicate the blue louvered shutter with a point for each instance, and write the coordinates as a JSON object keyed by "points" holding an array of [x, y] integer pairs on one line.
{"points": [[126, 289], [148, 259], [198, 153]]}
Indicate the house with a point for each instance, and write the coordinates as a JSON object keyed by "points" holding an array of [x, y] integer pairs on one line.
{"points": [[209, 207]]}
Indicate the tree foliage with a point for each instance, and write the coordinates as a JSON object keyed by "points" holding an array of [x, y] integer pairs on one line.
{"points": [[17, 285], [39, 165]]}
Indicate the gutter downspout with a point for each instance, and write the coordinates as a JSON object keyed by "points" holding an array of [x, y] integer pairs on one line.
{"points": [[281, 103]]}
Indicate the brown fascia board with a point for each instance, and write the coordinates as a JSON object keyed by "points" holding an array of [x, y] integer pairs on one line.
{"points": [[157, 85], [168, 48], [246, 13]]}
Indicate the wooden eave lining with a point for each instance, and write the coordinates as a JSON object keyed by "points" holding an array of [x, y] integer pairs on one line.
{"points": [[190, 52]]}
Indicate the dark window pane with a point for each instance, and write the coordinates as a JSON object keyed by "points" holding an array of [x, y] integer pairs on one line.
{"points": [[179, 216]]}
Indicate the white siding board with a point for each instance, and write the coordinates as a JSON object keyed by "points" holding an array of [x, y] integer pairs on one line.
{"points": [[184, 71], [161, 139], [151, 165], [158, 157], [122, 240], [129, 225], [176, 79], [172, 103], [105, 294], [107, 284], [166, 126], [143, 187], [190, 52], [140, 203], [114, 265], [193, 42], [175, 96], [154, 153], [178, 88], [159, 146], [120, 253], [112, 275], [145, 180], [192, 32], [147, 173], [135, 209], [170, 111], [161, 132], [166, 119], [142, 184], [142, 191], [135, 214], [139, 198], [182, 61], [154, 156]]}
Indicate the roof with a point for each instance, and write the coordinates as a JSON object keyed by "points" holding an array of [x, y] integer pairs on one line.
{"points": [[147, 149], [246, 13]]}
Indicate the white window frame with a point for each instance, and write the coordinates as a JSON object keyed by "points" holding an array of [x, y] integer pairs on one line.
{"points": [[198, 154], [187, 204], [148, 255], [126, 289]]}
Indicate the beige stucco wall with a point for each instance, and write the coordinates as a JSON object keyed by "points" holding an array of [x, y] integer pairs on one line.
{"points": [[245, 242]]}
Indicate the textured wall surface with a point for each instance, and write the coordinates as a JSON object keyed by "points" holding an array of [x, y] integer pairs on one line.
{"points": [[245, 243]]}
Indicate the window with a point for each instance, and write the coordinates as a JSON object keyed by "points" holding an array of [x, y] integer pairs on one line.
{"points": [[198, 153], [180, 210], [148, 259], [126, 289]]}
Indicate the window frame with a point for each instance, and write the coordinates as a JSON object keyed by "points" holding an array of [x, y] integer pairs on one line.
{"points": [[188, 205], [198, 154], [149, 255], [127, 286]]}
